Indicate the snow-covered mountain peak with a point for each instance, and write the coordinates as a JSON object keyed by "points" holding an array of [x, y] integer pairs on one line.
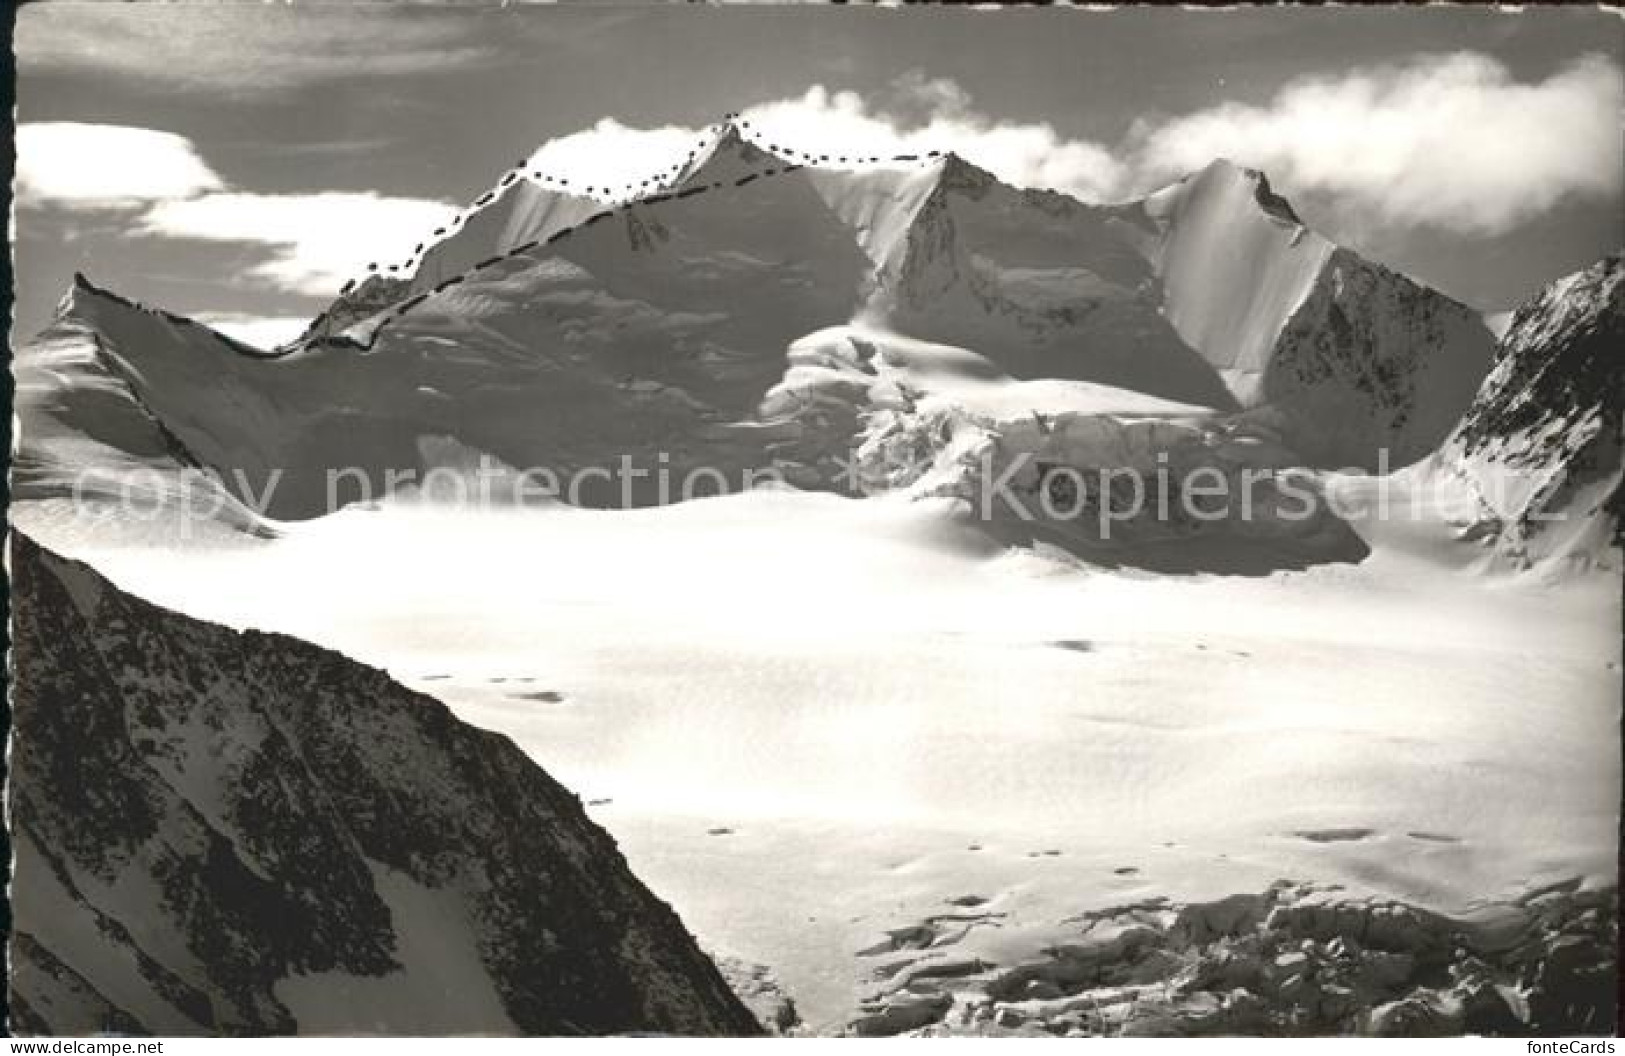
{"points": [[727, 134], [86, 304], [1224, 177], [724, 155], [960, 174]]}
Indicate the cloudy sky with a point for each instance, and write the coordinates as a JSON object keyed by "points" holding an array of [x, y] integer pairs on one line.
{"points": [[239, 162]]}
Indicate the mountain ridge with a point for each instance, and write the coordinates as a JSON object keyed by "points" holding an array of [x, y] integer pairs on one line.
{"points": [[672, 315]]}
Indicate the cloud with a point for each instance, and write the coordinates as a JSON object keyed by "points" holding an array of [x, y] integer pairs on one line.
{"points": [[1450, 141], [918, 113], [261, 331], [917, 98], [1453, 142], [159, 185], [610, 154], [245, 50], [922, 113], [315, 241], [106, 166]]}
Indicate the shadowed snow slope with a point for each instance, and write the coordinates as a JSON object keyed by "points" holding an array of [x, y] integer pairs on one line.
{"points": [[548, 328], [226, 833]]}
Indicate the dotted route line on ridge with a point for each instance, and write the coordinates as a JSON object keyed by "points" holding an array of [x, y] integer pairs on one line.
{"points": [[631, 190], [394, 312]]}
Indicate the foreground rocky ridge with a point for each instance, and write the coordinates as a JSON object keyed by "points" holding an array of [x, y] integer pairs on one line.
{"points": [[1292, 960], [241, 833]]}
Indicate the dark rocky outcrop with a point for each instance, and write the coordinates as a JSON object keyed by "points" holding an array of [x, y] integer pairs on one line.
{"points": [[1543, 444], [242, 833]]}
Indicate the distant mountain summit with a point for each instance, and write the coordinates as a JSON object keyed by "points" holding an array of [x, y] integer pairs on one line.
{"points": [[241, 833]]}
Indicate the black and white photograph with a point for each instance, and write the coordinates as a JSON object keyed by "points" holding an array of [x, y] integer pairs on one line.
{"points": [[813, 520]]}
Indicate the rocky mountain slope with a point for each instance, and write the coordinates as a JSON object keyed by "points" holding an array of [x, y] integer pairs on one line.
{"points": [[241, 833], [566, 327], [1543, 445]]}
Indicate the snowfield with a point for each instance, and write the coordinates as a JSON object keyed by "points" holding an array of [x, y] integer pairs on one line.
{"points": [[812, 720]]}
